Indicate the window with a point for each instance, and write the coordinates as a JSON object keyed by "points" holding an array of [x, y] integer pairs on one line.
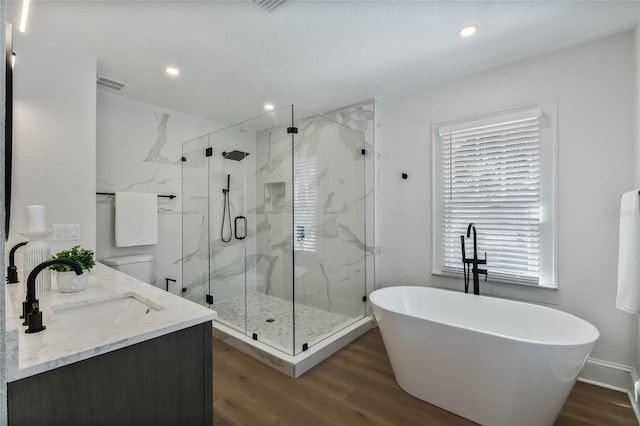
{"points": [[497, 172], [305, 183]]}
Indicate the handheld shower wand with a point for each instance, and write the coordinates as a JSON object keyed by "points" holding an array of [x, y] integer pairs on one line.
{"points": [[226, 212]]}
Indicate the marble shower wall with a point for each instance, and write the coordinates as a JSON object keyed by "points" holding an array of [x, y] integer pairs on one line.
{"points": [[211, 265], [139, 149], [332, 257]]}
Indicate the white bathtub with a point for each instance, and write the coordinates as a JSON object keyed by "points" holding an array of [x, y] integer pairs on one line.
{"points": [[493, 361]]}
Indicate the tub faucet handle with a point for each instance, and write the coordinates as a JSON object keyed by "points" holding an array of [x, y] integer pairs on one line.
{"points": [[483, 272]]}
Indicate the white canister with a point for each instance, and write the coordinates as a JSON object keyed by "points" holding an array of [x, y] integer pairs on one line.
{"points": [[36, 218]]}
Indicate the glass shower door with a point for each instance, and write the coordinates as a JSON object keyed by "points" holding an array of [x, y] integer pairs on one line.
{"points": [[237, 185], [270, 301], [229, 155]]}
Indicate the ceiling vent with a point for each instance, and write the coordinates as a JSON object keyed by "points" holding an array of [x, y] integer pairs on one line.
{"points": [[110, 83], [266, 5]]}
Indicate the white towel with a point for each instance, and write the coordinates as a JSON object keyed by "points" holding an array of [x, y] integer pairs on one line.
{"points": [[136, 219], [629, 254]]}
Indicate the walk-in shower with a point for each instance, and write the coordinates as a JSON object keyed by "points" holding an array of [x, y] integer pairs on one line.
{"points": [[275, 220]]}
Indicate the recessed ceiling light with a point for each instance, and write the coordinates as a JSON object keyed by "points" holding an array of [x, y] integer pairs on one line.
{"points": [[23, 18], [172, 71], [467, 31], [268, 107]]}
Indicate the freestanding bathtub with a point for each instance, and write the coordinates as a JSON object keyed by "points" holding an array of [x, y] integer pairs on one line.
{"points": [[494, 361]]}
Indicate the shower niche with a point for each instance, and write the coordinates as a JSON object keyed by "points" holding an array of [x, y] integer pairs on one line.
{"points": [[298, 189], [275, 196]]}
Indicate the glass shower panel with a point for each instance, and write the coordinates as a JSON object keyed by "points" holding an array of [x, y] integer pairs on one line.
{"points": [[229, 155], [271, 305], [329, 228], [195, 223]]}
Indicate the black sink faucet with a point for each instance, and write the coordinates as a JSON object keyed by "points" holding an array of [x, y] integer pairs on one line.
{"points": [[31, 307], [471, 265], [12, 271]]}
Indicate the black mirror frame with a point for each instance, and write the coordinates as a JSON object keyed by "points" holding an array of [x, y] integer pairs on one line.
{"points": [[8, 128]]}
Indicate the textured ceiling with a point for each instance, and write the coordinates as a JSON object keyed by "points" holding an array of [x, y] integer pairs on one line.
{"points": [[317, 55]]}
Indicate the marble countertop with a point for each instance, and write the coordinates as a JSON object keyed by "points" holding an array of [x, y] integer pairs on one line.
{"points": [[62, 344]]}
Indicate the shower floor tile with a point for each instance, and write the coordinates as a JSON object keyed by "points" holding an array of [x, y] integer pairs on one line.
{"points": [[312, 325]]}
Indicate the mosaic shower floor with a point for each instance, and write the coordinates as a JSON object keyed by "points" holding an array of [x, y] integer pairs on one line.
{"points": [[271, 319]]}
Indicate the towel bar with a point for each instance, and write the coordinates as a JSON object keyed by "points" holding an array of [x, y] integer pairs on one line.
{"points": [[159, 196]]}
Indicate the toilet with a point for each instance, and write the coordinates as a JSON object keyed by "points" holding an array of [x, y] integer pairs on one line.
{"points": [[138, 266]]}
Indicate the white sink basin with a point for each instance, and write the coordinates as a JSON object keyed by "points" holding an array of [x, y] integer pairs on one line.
{"points": [[93, 313]]}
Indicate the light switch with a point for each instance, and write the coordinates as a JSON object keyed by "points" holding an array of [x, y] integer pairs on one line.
{"points": [[66, 231]]}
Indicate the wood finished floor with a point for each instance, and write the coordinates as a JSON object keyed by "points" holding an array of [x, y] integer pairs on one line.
{"points": [[356, 387]]}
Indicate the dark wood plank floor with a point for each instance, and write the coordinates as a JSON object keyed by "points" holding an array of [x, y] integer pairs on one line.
{"points": [[356, 387]]}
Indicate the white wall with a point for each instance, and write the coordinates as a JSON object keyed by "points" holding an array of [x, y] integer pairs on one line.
{"points": [[139, 147], [53, 146], [54, 136], [636, 130], [594, 87], [636, 106]]}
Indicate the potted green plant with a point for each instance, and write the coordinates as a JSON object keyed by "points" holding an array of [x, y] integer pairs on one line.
{"points": [[67, 280]]}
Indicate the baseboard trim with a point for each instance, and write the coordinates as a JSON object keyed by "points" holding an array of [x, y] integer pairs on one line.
{"points": [[613, 376]]}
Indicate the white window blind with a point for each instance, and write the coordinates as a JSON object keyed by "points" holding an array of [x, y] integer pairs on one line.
{"points": [[305, 200], [491, 176]]}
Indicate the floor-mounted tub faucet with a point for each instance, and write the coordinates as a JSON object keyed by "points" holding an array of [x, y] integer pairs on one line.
{"points": [[471, 265], [12, 271], [31, 307]]}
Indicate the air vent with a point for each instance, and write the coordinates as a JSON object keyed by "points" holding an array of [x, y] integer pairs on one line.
{"points": [[110, 83], [266, 5]]}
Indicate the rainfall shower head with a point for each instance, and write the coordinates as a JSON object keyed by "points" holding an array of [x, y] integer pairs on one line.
{"points": [[235, 155]]}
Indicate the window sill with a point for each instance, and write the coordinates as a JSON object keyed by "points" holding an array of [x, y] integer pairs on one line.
{"points": [[492, 281]]}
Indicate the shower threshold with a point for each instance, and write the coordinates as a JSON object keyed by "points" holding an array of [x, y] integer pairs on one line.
{"points": [[331, 333], [271, 319]]}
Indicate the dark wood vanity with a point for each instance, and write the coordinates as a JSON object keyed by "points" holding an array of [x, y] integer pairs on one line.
{"points": [[167, 380]]}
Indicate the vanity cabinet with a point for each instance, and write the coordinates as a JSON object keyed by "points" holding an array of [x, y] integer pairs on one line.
{"points": [[167, 380]]}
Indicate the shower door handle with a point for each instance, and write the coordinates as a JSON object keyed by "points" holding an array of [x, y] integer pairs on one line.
{"points": [[244, 227]]}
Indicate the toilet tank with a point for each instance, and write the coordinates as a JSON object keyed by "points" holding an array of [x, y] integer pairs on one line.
{"points": [[138, 266]]}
